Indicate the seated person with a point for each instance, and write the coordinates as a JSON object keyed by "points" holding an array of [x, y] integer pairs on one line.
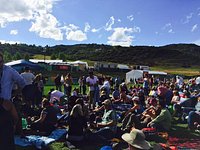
{"points": [[85, 109], [194, 116], [136, 140], [140, 120], [123, 98], [137, 107], [115, 94], [163, 121], [77, 124], [107, 127], [47, 120]]}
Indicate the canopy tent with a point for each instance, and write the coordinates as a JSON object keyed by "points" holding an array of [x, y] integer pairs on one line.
{"points": [[137, 74], [133, 75], [20, 64]]}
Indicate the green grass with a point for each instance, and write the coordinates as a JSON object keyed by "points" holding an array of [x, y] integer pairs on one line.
{"points": [[192, 71], [48, 87], [178, 130]]}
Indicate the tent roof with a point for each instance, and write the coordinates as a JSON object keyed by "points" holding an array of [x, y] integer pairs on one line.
{"points": [[46, 61], [121, 66], [150, 72], [23, 62], [157, 72]]}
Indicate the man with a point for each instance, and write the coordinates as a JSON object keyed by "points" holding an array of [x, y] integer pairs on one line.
{"points": [[29, 92], [8, 114], [163, 121], [92, 82], [108, 125], [8, 77]]}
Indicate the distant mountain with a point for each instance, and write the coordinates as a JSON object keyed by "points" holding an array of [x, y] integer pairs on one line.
{"points": [[169, 55]]}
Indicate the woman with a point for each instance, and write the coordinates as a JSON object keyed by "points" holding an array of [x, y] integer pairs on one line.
{"points": [[8, 121], [68, 84], [48, 118], [176, 103], [77, 124]]}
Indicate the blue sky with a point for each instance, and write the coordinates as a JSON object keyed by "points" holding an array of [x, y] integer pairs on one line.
{"points": [[112, 22]]}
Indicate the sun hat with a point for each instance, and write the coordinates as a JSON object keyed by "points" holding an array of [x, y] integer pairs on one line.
{"points": [[136, 138]]}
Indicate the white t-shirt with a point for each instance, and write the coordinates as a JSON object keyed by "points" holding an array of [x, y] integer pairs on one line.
{"points": [[92, 82], [28, 77]]}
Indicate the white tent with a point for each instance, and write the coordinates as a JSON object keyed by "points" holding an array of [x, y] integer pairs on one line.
{"points": [[136, 74], [133, 75]]}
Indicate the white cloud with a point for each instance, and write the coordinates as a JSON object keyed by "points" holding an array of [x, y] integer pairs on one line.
{"points": [[87, 27], [46, 26], [10, 42], [39, 12], [96, 30], [73, 33], [168, 25], [194, 27], [130, 17], [170, 31], [121, 36], [136, 29], [188, 18], [109, 24], [77, 35], [197, 42], [168, 28], [14, 32], [72, 27], [119, 20]]}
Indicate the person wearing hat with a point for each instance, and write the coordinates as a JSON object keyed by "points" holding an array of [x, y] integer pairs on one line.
{"points": [[108, 125], [136, 140], [130, 115]]}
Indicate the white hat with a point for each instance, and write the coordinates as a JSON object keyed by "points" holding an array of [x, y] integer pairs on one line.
{"points": [[136, 138]]}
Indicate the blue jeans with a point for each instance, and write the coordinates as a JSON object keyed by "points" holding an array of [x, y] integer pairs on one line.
{"points": [[193, 117]]}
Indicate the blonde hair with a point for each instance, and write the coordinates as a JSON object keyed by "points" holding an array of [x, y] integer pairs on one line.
{"points": [[77, 111]]}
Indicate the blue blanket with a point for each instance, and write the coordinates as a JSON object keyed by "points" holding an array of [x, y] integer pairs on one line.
{"points": [[40, 141]]}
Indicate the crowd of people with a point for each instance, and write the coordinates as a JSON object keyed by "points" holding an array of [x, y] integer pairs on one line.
{"points": [[94, 110]]}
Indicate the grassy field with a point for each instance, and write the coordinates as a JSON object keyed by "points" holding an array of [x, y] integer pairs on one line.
{"points": [[192, 71]]}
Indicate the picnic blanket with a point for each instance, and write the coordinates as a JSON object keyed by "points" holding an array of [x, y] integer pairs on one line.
{"points": [[185, 143], [39, 141]]}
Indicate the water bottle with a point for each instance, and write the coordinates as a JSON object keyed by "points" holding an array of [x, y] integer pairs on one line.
{"points": [[24, 123]]}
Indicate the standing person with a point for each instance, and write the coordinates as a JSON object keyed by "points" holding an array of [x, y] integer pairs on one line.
{"points": [[80, 82], [8, 114], [8, 77], [84, 85], [29, 91], [38, 84], [68, 84], [92, 82], [57, 82]]}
